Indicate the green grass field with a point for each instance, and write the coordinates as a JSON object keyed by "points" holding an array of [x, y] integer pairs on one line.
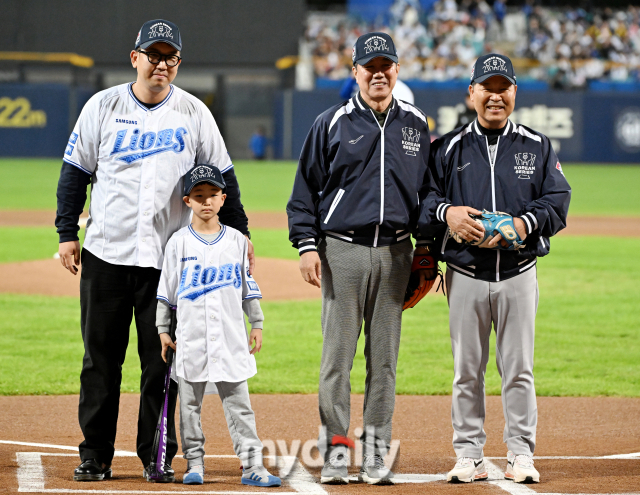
{"points": [[588, 327], [597, 190]]}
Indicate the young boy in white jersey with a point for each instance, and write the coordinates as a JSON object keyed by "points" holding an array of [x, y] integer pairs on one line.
{"points": [[205, 278]]}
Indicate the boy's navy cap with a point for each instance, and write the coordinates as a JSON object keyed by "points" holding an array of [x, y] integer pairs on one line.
{"points": [[493, 65], [372, 45], [158, 30], [203, 173]]}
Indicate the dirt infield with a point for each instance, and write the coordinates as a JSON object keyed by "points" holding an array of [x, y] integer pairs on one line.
{"points": [[278, 279], [577, 225], [589, 428]]}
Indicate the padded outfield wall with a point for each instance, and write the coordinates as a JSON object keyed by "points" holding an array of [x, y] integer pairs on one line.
{"points": [[587, 126]]}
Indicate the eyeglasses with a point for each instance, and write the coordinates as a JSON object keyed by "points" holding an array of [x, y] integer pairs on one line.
{"points": [[155, 58]]}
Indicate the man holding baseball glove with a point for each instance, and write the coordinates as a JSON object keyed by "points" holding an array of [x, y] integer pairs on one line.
{"points": [[497, 195]]}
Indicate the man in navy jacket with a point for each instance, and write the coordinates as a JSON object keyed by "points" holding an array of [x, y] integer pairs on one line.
{"points": [[493, 164], [352, 211]]}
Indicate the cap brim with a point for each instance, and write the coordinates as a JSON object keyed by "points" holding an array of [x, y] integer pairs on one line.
{"points": [[369, 58], [484, 77], [149, 43], [209, 181]]}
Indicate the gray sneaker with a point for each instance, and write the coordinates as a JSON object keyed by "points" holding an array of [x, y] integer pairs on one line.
{"points": [[374, 471], [335, 471]]}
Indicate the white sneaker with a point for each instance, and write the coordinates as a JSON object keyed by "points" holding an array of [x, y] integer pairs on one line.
{"points": [[467, 470], [520, 469]]}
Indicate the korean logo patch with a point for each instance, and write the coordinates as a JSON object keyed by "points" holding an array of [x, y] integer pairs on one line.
{"points": [[525, 165]]}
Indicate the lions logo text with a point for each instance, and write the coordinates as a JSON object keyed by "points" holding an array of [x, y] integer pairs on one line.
{"points": [[148, 144], [196, 282]]}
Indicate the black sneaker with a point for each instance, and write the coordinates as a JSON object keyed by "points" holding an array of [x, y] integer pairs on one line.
{"points": [[92, 470], [169, 475]]}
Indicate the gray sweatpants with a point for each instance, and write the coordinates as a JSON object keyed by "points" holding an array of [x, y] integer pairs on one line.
{"points": [[240, 420], [361, 283], [511, 305]]}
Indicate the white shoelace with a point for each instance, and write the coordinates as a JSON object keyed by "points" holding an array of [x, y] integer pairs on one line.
{"points": [[524, 461], [338, 461], [464, 462], [375, 461]]}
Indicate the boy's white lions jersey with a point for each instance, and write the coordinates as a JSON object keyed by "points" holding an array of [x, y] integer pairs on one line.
{"points": [[137, 157], [207, 282]]}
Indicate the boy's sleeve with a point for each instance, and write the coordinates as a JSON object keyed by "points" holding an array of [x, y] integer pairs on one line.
{"points": [[252, 309], [163, 317], [250, 289], [169, 278]]}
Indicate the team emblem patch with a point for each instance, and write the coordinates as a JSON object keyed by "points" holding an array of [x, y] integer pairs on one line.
{"points": [[410, 141], [353, 53], [138, 38], [494, 64], [375, 44], [201, 172], [559, 167], [525, 165], [160, 30]]}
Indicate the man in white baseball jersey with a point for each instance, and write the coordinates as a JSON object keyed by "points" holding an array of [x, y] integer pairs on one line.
{"points": [[133, 143], [205, 275]]}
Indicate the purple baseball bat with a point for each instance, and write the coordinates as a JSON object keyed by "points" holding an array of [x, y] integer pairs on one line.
{"points": [[159, 449]]}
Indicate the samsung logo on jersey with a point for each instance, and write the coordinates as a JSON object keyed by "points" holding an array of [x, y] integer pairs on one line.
{"points": [[124, 121], [190, 258], [148, 144], [196, 282]]}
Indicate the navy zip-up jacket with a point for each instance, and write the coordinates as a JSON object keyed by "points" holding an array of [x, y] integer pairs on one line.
{"points": [[359, 181], [526, 181]]}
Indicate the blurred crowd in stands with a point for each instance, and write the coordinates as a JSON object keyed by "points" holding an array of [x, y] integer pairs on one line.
{"points": [[566, 47]]}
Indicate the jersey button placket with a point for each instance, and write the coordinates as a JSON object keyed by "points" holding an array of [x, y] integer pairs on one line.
{"points": [[146, 207]]}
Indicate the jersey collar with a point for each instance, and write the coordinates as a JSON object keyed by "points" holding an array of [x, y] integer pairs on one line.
{"points": [[195, 234], [137, 102]]}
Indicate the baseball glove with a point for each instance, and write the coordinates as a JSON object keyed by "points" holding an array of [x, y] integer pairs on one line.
{"points": [[414, 293], [495, 223]]}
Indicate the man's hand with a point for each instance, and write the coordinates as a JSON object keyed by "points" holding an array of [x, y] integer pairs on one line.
{"points": [[459, 221], [255, 336], [518, 223], [310, 268], [70, 255], [165, 339], [251, 255]]}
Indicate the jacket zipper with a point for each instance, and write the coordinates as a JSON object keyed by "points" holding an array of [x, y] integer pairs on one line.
{"points": [[375, 240], [492, 163], [334, 203]]}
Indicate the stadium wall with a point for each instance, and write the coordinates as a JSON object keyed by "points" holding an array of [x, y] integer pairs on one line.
{"points": [[598, 127]]}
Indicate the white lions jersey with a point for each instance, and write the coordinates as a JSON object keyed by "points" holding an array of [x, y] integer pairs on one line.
{"points": [[207, 282], [137, 157]]}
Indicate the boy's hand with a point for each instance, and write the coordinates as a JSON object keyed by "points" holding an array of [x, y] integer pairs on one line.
{"points": [[70, 255], [165, 339], [255, 336]]}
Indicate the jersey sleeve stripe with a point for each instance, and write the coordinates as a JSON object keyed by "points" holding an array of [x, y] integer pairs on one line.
{"points": [[162, 298], [226, 169], [252, 297], [77, 165]]}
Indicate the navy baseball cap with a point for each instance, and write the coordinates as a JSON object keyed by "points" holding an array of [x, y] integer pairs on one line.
{"points": [[156, 31], [203, 173], [372, 45], [491, 65]]}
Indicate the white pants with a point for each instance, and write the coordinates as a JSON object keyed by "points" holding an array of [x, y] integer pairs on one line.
{"points": [[511, 305], [240, 420]]}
